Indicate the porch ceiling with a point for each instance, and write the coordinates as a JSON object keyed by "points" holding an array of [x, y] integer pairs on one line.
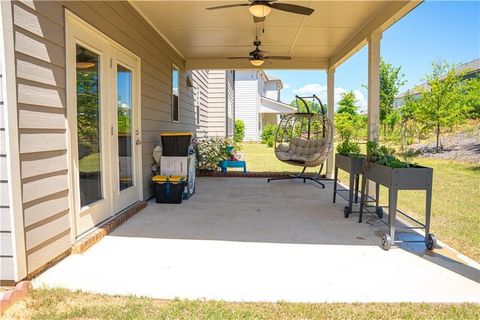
{"points": [[325, 39]]}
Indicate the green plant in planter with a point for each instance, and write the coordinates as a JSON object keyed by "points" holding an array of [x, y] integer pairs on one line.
{"points": [[385, 156], [349, 148]]}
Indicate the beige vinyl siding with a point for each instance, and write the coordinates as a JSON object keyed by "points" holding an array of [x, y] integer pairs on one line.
{"points": [[230, 96], [246, 102], [6, 246], [39, 33], [41, 103], [200, 79], [216, 103]]}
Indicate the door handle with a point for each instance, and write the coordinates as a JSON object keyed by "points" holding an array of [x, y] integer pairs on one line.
{"points": [[138, 142]]}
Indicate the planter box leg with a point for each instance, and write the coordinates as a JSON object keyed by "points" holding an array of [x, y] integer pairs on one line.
{"points": [[335, 181], [392, 211], [362, 198], [428, 209], [351, 190], [357, 178]]}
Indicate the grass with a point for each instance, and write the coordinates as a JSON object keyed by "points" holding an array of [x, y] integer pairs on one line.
{"points": [[90, 163], [261, 158], [54, 304], [456, 194]]}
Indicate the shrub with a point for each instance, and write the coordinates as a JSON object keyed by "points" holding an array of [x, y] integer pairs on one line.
{"points": [[268, 134], [239, 130], [348, 148], [209, 151]]}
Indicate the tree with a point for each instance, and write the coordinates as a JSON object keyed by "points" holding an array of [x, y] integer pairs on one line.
{"points": [[347, 121], [407, 116], [239, 130], [347, 104], [390, 82], [443, 103], [472, 98]]}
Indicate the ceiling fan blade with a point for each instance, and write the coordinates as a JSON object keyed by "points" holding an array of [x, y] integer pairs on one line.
{"points": [[278, 58], [229, 6], [258, 19], [238, 58], [293, 8]]}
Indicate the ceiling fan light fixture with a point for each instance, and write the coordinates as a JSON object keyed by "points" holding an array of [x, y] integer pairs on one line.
{"points": [[256, 62], [259, 10]]}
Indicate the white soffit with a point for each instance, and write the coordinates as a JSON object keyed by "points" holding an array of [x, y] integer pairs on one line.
{"points": [[205, 38]]}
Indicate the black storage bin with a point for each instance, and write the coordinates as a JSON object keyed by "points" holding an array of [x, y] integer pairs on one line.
{"points": [[169, 192], [175, 144]]}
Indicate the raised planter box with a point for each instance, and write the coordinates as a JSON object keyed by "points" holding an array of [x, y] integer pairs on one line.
{"points": [[415, 178], [353, 166], [395, 179], [349, 164]]}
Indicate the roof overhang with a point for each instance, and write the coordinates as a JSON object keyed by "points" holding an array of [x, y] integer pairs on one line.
{"points": [[206, 38], [272, 106]]}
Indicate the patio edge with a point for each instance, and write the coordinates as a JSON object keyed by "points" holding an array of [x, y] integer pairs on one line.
{"points": [[92, 237], [105, 228]]}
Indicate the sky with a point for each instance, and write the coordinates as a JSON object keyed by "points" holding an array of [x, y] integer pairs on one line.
{"points": [[434, 31]]}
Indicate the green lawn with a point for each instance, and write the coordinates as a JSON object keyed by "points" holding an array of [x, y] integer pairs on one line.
{"points": [[90, 163], [455, 203], [64, 304]]}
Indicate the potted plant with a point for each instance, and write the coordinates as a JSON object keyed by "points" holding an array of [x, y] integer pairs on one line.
{"points": [[382, 167]]}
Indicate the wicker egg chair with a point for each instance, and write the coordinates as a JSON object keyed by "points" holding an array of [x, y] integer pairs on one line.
{"points": [[304, 139]]}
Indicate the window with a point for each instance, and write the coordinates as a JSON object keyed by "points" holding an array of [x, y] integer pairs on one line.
{"points": [[196, 101], [175, 93], [89, 125]]}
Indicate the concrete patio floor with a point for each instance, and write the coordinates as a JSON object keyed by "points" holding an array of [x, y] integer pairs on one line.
{"points": [[241, 239]]}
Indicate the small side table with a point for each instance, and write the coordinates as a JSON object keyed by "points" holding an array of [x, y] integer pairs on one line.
{"points": [[225, 164]]}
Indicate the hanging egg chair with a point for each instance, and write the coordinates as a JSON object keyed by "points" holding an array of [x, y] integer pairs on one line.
{"points": [[304, 139]]}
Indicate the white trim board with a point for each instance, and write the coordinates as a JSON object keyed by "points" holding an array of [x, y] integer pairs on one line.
{"points": [[9, 90]]}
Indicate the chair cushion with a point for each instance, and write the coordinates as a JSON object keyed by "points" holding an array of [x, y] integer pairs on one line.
{"points": [[305, 148], [300, 150]]}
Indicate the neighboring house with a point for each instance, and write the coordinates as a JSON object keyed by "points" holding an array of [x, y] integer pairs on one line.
{"points": [[257, 102], [213, 95], [473, 70]]}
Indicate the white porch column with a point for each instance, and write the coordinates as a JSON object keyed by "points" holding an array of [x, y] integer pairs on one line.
{"points": [[330, 114], [373, 94], [373, 85]]}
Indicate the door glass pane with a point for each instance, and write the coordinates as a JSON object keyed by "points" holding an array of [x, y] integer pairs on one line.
{"points": [[88, 125], [175, 94], [124, 116]]}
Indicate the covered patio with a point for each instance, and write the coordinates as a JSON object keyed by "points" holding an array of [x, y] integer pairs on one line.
{"points": [[241, 239]]}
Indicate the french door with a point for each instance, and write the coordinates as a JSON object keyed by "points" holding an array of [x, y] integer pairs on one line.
{"points": [[104, 125]]}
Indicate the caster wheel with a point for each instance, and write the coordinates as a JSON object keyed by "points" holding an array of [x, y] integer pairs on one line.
{"points": [[379, 212], [346, 211], [431, 242], [386, 242]]}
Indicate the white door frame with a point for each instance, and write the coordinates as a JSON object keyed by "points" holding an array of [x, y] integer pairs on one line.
{"points": [[80, 32], [124, 198]]}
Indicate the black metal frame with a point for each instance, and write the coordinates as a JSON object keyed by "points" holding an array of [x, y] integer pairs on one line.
{"points": [[317, 177]]}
